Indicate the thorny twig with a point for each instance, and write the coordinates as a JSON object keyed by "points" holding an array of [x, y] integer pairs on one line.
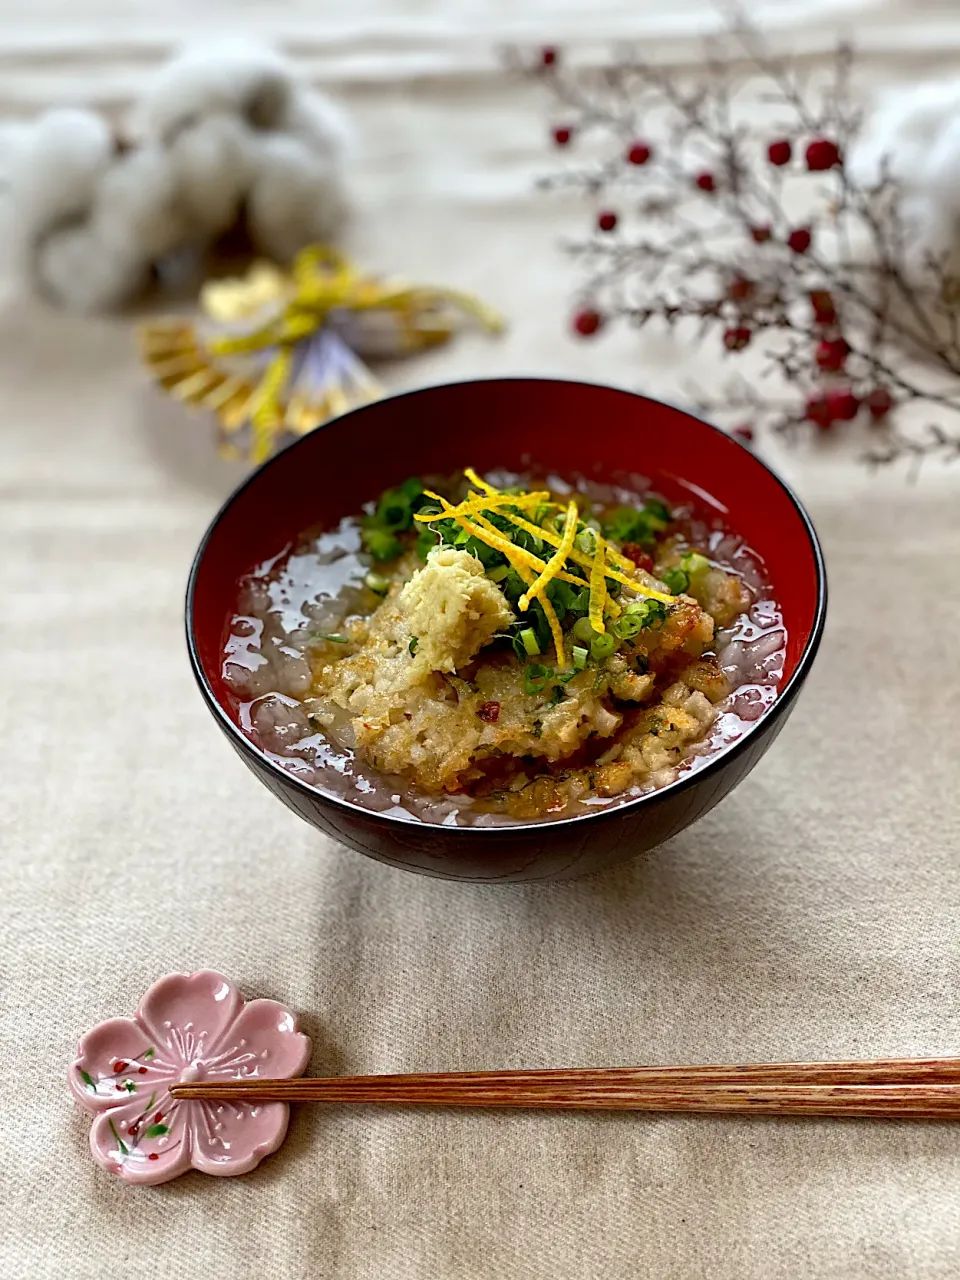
{"points": [[853, 326]]}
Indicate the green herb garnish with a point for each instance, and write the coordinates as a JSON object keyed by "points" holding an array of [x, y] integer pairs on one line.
{"points": [[601, 647], [677, 580], [382, 544], [693, 563], [535, 678], [627, 524], [651, 613], [528, 639]]}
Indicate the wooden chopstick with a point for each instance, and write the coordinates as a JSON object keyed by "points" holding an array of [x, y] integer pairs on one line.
{"points": [[917, 1088]]}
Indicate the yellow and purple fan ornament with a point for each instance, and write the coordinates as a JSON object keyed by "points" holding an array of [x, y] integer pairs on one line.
{"points": [[280, 353]]}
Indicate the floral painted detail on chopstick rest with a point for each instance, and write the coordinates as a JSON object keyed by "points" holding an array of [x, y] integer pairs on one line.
{"points": [[188, 1027], [278, 353]]}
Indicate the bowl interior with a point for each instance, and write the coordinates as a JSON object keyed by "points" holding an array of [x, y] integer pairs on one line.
{"points": [[568, 427]]}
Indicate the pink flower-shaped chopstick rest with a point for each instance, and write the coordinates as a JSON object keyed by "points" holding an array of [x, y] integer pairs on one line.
{"points": [[188, 1027]]}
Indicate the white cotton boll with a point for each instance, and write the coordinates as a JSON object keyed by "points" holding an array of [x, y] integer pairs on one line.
{"points": [[318, 122], [905, 124], [233, 76], [137, 212], [75, 269], [915, 134], [296, 198], [55, 166], [212, 163]]}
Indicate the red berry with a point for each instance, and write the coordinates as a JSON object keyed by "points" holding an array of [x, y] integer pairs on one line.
{"points": [[639, 153], [780, 152], [142, 1070], [736, 339], [822, 154], [706, 182], [800, 239], [879, 402], [489, 712], [740, 288], [824, 310], [831, 355], [132, 1128], [119, 1066], [153, 1156], [637, 554], [158, 1117], [562, 135], [761, 234], [587, 322], [548, 56], [607, 221], [744, 433], [843, 404], [819, 412]]}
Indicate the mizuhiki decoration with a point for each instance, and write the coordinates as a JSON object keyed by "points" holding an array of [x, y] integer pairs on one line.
{"points": [[279, 353]]}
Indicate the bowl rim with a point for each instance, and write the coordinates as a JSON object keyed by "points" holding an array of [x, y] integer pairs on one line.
{"points": [[690, 778]]}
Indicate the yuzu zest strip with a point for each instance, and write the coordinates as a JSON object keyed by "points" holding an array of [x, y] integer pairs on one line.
{"points": [[598, 590], [557, 560], [548, 610]]}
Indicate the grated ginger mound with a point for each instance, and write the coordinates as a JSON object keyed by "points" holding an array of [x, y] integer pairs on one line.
{"points": [[453, 609]]}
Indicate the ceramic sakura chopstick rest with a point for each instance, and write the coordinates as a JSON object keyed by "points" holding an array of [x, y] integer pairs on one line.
{"points": [[200, 1079], [187, 1028]]}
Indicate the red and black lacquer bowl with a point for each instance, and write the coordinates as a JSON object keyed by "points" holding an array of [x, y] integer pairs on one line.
{"points": [[570, 428]]}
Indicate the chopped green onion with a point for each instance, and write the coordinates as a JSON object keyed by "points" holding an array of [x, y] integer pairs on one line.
{"points": [[693, 562], [381, 543], [377, 583], [627, 626], [557, 694], [498, 572], [677, 580], [394, 510], [582, 630], [586, 541], [412, 646], [651, 613], [535, 678], [412, 488], [334, 639], [528, 639], [659, 510], [580, 656], [602, 646]]}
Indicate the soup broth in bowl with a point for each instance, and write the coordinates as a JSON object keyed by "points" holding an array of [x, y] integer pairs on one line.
{"points": [[506, 630], [454, 654]]}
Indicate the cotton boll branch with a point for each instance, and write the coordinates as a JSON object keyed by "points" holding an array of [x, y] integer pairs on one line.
{"points": [[762, 238]]}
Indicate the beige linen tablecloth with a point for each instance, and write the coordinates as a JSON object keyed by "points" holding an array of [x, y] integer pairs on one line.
{"points": [[813, 914]]}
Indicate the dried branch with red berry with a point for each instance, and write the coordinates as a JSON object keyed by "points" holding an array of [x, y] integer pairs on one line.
{"points": [[761, 237]]}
